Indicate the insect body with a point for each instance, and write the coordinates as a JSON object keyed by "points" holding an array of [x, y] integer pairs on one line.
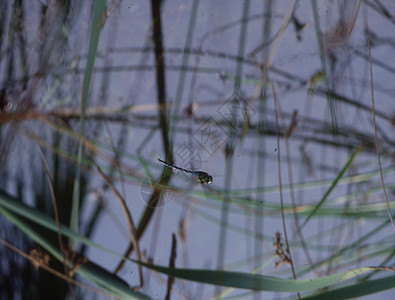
{"points": [[203, 177]]}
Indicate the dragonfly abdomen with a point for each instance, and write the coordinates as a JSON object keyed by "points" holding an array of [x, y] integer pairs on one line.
{"points": [[203, 177]]}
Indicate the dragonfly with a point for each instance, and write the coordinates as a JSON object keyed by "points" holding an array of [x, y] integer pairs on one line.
{"points": [[202, 177]]}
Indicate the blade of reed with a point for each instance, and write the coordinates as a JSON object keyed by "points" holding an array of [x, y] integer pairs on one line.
{"points": [[333, 185], [329, 97], [14, 205], [17, 211], [357, 290], [110, 283], [256, 281], [98, 14]]}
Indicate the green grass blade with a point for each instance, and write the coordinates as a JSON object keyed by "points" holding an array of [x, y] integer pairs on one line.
{"points": [[18, 213], [98, 14], [333, 185], [255, 281], [14, 205], [358, 290], [185, 60], [109, 283]]}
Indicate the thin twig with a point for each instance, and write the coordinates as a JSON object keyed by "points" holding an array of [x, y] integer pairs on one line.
{"points": [[273, 50], [55, 208], [375, 131], [173, 255], [128, 215], [280, 181], [52, 271], [50, 183], [291, 190], [353, 22]]}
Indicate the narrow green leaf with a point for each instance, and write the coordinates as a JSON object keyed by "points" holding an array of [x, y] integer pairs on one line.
{"points": [[34, 215], [358, 290], [98, 14], [333, 185], [13, 209], [109, 282], [255, 281]]}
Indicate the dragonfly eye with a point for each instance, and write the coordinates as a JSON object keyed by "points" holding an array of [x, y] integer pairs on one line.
{"points": [[207, 180]]}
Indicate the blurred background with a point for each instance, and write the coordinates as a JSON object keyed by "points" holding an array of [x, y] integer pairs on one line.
{"points": [[273, 99]]}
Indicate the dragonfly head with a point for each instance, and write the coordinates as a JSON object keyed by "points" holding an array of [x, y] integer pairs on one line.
{"points": [[206, 179]]}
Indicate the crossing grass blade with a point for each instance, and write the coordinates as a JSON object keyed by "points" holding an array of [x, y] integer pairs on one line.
{"points": [[98, 13], [257, 282], [357, 290], [333, 185], [22, 216]]}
